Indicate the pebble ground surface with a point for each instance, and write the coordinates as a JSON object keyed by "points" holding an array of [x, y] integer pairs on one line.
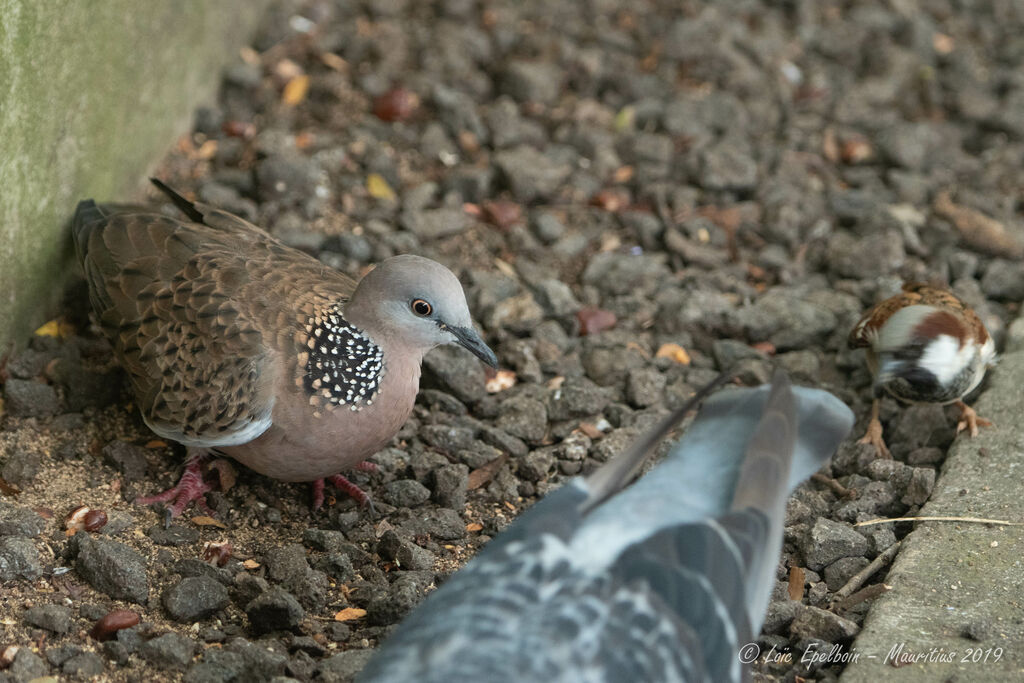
{"points": [[635, 195]]}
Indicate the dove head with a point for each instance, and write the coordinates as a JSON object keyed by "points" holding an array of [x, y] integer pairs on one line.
{"points": [[416, 302]]}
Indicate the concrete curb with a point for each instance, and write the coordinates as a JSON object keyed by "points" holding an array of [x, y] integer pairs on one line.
{"points": [[956, 608]]}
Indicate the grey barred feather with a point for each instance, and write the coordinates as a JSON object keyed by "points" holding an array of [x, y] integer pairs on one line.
{"points": [[662, 581]]}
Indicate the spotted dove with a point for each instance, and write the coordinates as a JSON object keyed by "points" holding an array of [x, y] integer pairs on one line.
{"points": [[664, 580], [237, 344]]}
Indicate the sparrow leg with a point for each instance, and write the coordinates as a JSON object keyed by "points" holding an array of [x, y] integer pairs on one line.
{"points": [[873, 435], [342, 483], [969, 419], [190, 488]]}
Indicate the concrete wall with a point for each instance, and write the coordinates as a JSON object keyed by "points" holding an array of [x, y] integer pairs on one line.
{"points": [[92, 94]]}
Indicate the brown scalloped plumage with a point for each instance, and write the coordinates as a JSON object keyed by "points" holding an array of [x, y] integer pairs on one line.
{"points": [[201, 315], [917, 293]]}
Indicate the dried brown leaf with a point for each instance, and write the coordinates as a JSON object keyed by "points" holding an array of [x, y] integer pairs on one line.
{"points": [[8, 489], [796, 583], [350, 613], [226, 473], [978, 231], [485, 473], [295, 91], [474, 526], [593, 320], [675, 352], [203, 520]]}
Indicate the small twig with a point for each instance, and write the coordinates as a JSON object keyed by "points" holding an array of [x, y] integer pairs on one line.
{"points": [[858, 579], [863, 594], [972, 520], [836, 487]]}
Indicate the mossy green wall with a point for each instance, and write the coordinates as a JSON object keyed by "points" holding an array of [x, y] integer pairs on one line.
{"points": [[92, 94]]}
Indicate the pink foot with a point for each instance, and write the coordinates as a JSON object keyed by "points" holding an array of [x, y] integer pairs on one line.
{"points": [[190, 488], [343, 484]]}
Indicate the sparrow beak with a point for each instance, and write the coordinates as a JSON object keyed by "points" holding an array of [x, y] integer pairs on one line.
{"points": [[470, 339]]}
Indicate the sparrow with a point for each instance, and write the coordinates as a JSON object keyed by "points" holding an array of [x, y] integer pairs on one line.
{"points": [[924, 345]]}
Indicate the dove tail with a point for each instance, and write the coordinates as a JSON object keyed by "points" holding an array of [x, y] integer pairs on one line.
{"points": [[764, 475], [184, 205]]}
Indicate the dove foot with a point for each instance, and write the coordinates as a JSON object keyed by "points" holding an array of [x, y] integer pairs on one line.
{"points": [[343, 484], [969, 419], [191, 488]]}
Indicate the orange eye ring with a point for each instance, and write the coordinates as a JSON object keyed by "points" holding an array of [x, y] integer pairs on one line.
{"points": [[421, 308]]}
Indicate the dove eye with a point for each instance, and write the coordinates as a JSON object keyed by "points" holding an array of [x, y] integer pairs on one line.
{"points": [[421, 308]]}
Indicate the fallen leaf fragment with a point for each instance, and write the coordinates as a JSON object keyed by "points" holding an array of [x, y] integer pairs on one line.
{"points": [[502, 213], [485, 473], [675, 352], [796, 583], [156, 443], [612, 199], [350, 613], [203, 520], [502, 380], [8, 489], [379, 188], [295, 90], [55, 328], [251, 564], [978, 231], [593, 320], [226, 474], [474, 526], [397, 104]]}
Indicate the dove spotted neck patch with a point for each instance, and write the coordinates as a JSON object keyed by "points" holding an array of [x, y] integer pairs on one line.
{"points": [[343, 367]]}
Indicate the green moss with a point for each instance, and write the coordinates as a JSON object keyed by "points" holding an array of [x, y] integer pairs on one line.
{"points": [[95, 91]]}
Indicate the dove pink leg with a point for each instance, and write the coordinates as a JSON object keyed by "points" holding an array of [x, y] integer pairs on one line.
{"points": [[343, 484], [190, 488]]}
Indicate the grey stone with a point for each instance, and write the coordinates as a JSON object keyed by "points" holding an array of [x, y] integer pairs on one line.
{"points": [[19, 521], [449, 485], [83, 666], [828, 541], [128, 459], [523, 417], [55, 618], [577, 397], [326, 540], [403, 552], [873, 256], [174, 535], [344, 666], [286, 563], [447, 438], [780, 615], [532, 81], [407, 591], [536, 465], [27, 666], [548, 227], [274, 610], [194, 598], [1004, 280], [455, 370], [726, 166], [20, 469], [919, 489], [812, 622], [19, 559], [112, 568], [259, 661], [530, 174], [405, 493], [169, 651], [556, 298], [840, 571], [644, 386], [24, 398], [435, 223]]}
